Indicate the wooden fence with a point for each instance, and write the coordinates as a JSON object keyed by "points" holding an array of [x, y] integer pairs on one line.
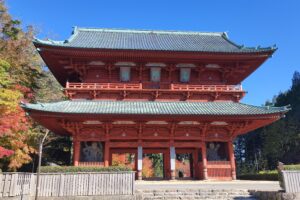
{"points": [[291, 180], [67, 184]]}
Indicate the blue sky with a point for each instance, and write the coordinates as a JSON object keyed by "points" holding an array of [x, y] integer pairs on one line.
{"points": [[248, 22]]}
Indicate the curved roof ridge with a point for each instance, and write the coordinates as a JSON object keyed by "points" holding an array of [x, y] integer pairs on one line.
{"points": [[121, 30], [48, 41]]}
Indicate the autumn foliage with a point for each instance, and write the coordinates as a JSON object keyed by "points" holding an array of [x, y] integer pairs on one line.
{"points": [[148, 168], [18, 70], [124, 159]]}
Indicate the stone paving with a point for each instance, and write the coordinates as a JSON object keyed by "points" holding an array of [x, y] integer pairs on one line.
{"points": [[200, 194], [217, 185]]}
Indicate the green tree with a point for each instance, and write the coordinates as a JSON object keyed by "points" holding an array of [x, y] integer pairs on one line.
{"points": [[280, 141]]}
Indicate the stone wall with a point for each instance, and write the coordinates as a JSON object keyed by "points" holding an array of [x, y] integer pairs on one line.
{"points": [[120, 197], [275, 195], [173, 194]]}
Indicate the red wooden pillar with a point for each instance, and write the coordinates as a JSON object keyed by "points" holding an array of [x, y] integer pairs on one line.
{"points": [[204, 160], [106, 145], [76, 152], [232, 160], [195, 164], [106, 154]]}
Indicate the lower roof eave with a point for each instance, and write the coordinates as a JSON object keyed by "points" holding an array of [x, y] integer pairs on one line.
{"points": [[140, 117], [53, 121], [51, 114]]}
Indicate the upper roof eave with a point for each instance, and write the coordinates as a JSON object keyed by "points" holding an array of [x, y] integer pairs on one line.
{"points": [[266, 50], [151, 40]]}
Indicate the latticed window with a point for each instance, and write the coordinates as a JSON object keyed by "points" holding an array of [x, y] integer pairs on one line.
{"points": [[155, 74], [185, 74], [125, 74]]}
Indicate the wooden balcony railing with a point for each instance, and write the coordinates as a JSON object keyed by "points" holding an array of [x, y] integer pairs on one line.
{"points": [[104, 86], [152, 91], [213, 88], [153, 86]]}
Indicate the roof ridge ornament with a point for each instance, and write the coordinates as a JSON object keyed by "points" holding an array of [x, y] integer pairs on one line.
{"points": [[288, 107], [73, 34], [225, 34]]}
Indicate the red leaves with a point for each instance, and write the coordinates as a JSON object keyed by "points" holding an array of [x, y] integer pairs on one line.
{"points": [[15, 128], [13, 122], [5, 152], [28, 95]]}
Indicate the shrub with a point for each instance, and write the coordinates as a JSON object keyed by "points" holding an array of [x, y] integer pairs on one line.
{"points": [[291, 167], [262, 175], [74, 169]]}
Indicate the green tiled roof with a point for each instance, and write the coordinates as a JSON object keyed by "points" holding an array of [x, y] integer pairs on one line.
{"points": [[152, 40], [153, 108]]}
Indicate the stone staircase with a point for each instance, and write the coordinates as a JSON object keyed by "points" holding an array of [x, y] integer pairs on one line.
{"points": [[193, 194]]}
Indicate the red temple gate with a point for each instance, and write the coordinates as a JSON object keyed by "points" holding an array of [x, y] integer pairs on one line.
{"points": [[134, 95]]}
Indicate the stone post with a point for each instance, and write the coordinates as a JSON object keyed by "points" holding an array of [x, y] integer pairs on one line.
{"points": [[172, 162], [140, 162]]}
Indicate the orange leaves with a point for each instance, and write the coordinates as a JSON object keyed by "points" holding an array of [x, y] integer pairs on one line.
{"points": [[21, 154], [13, 122], [148, 169]]}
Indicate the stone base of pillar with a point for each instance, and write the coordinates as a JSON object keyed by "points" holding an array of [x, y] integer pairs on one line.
{"points": [[205, 177], [233, 175], [172, 174], [139, 175]]}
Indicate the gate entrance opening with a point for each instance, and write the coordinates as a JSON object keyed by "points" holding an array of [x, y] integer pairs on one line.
{"points": [[184, 166], [155, 164], [186, 163]]}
